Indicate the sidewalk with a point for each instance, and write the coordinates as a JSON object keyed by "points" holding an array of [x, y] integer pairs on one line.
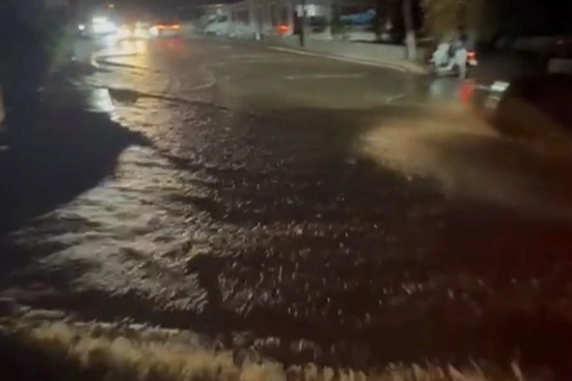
{"points": [[379, 55], [405, 66]]}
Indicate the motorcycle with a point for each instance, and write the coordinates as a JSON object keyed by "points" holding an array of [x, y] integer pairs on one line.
{"points": [[453, 59]]}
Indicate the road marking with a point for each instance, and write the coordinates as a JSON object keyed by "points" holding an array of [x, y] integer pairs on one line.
{"points": [[250, 56], [343, 59], [395, 97], [211, 79], [325, 76], [263, 61], [266, 58]]}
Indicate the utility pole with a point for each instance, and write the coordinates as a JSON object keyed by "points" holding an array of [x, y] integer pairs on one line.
{"points": [[303, 25], [252, 18], [329, 17], [410, 42]]}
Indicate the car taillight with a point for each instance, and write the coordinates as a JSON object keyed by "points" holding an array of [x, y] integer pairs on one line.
{"points": [[466, 92], [283, 29]]}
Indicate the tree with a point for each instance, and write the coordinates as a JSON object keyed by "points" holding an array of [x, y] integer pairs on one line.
{"points": [[410, 42], [402, 16], [444, 18]]}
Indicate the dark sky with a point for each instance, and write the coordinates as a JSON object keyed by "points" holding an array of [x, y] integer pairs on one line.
{"points": [[517, 16], [535, 16], [526, 16]]}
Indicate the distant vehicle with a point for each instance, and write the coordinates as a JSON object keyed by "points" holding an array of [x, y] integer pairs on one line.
{"points": [[134, 30], [218, 26], [392, 36], [100, 26], [166, 28], [363, 18], [536, 46], [452, 59]]}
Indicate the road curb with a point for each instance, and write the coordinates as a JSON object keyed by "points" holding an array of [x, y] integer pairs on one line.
{"points": [[410, 68], [397, 67]]}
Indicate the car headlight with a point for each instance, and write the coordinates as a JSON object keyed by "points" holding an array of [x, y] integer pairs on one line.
{"points": [[139, 32], [103, 25], [125, 32]]}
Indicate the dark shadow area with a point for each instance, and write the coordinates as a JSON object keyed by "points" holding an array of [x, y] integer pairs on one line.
{"points": [[516, 173], [57, 150], [498, 65], [537, 107], [16, 358]]}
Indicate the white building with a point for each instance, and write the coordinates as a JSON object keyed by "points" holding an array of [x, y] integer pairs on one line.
{"points": [[279, 17]]}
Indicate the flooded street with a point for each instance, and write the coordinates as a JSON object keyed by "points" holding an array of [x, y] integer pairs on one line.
{"points": [[339, 210]]}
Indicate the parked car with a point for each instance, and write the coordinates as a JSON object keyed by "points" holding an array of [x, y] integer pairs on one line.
{"points": [[96, 27], [134, 30], [166, 28], [218, 26]]}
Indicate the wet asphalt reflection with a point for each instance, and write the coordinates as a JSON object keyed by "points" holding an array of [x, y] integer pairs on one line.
{"points": [[341, 210]]}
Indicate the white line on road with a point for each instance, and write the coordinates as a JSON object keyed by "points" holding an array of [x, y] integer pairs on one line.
{"points": [[252, 56], [264, 61], [325, 56], [395, 97], [266, 58], [325, 76], [209, 75]]}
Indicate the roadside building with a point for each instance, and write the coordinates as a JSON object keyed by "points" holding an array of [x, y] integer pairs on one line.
{"points": [[283, 17]]}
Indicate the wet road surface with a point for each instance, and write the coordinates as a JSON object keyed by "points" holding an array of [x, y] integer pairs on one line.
{"points": [[347, 212]]}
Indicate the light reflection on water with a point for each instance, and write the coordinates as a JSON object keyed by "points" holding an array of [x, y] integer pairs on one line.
{"points": [[127, 233], [99, 100]]}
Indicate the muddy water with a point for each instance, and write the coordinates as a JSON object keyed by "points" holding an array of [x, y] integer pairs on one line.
{"points": [[393, 240]]}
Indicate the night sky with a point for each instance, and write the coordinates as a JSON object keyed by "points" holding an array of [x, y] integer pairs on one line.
{"points": [[535, 16]]}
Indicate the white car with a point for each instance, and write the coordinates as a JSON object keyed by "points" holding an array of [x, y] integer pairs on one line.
{"points": [[98, 27], [136, 30], [218, 26]]}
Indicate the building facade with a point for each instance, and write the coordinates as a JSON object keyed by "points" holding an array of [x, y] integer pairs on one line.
{"points": [[283, 17]]}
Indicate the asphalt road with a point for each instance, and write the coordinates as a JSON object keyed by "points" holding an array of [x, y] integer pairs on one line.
{"points": [[356, 215]]}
